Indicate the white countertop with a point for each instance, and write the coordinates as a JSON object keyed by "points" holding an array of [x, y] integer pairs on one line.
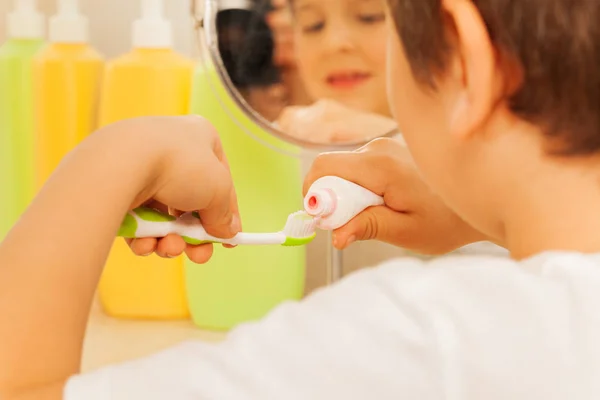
{"points": [[109, 340]]}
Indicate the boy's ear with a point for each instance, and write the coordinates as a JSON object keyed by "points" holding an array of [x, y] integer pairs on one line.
{"points": [[475, 71]]}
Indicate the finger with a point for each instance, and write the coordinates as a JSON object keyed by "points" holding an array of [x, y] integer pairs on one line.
{"points": [[170, 246], [221, 217], [236, 217], [339, 163], [371, 170], [236, 222], [199, 254], [233, 199], [375, 223], [143, 247]]}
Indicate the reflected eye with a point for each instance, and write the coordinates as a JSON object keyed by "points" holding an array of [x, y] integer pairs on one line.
{"points": [[313, 28], [371, 18]]}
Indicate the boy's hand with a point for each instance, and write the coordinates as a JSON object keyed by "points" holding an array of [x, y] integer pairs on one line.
{"points": [[192, 176], [413, 216]]}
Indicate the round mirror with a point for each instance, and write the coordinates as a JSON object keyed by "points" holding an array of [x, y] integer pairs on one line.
{"points": [[310, 72]]}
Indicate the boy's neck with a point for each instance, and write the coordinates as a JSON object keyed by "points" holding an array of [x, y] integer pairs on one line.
{"points": [[557, 208]]}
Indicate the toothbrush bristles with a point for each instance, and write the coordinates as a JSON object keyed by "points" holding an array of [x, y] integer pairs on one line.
{"points": [[300, 225]]}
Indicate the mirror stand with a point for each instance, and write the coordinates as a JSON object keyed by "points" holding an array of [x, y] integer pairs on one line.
{"points": [[335, 262]]}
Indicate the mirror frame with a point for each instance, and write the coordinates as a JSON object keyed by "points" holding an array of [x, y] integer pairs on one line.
{"points": [[204, 14]]}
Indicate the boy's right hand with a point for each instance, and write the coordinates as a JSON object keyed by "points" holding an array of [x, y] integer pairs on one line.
{"points": [[413, 217], [191, 173]]}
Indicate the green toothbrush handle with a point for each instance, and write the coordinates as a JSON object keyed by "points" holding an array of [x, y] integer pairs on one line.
{"points": [[144, 222]]}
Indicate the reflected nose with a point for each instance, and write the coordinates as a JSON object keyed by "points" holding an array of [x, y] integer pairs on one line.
{"points": [[338, 38]]}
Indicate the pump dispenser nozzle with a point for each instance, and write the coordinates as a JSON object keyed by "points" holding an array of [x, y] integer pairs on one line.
{"points": [[25, 22], [68, 25], [152, 30]]}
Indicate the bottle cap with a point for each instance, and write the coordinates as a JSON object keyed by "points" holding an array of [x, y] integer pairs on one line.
{"points": [[152, 30], [25, 22], [320, 202], [68, 25]]}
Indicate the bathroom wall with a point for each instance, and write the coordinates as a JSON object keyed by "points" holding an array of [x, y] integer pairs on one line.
{"points": [[110, 22]]}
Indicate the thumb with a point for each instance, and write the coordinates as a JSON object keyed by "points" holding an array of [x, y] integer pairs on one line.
{"points": [[375, 223], [220, 217]]}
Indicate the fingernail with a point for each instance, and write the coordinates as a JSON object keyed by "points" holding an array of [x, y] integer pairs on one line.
{"points": [[236, 224], [170, 256], [146, 254]]}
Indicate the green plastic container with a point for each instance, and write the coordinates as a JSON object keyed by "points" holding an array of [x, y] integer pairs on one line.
{"points": [[245, 283], [16, 129]]}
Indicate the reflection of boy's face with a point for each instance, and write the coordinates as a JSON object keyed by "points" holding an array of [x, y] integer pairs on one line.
{"points": [[340, 50]]}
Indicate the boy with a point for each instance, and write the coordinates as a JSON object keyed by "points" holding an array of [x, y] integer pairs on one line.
{"points": [[340, 51], [497, 102]]}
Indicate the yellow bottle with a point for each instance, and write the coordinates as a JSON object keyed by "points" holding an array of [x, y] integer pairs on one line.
{"points": [[66, 79], [151, 80]]}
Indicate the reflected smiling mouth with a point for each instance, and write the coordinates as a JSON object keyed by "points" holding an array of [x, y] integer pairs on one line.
{"points": [[347, 80]]}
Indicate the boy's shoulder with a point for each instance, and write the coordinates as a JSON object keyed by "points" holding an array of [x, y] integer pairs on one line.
{"points": [[483, 274], [410, 327]]}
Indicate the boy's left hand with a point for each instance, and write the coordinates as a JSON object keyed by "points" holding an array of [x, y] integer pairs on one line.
{"points": [[413, 216], [193, 175]]}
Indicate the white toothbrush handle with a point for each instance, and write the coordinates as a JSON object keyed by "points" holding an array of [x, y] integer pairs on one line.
{"points": [[190, 228], [244, 238], [148, 223]]}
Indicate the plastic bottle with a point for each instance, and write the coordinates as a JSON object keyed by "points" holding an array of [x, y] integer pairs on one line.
{"points": [[25, 38], [245, 283], [336, 201], [152, 79], [67, 76]]}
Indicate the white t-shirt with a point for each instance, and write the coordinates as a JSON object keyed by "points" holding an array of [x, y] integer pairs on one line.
{"points": [[457, 327]]}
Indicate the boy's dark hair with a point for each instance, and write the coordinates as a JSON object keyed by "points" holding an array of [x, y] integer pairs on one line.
{"points": [[556, 42]]}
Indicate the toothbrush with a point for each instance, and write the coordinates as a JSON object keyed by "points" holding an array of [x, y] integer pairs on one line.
{"points": [[144, 222]]}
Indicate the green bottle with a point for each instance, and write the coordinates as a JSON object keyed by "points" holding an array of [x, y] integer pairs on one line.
{"points": [[245, 283], [25, 39]]}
